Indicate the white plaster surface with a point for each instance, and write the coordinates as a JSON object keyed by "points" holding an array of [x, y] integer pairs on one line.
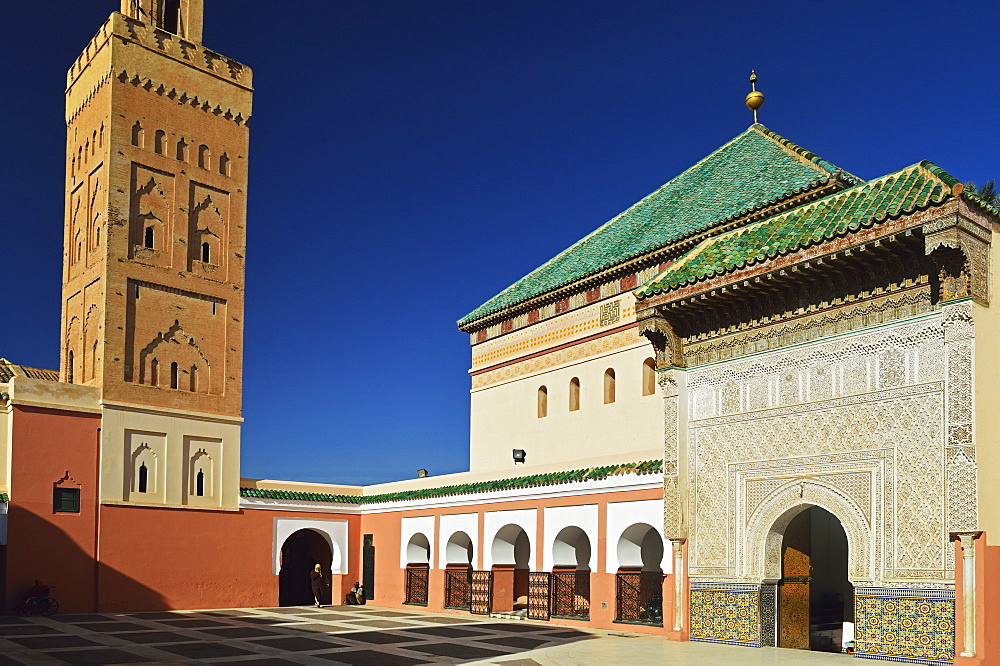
{"points": [[621, 516], [560, 517], [334, 531], [410, 526], [494, 521], [459, 522]]}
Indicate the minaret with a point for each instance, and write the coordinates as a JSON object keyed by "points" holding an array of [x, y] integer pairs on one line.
{"points": [[155, 233]]}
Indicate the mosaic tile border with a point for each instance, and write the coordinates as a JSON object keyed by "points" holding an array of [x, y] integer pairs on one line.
{"points": [[905, 625], [727, 613], [910, 593]]}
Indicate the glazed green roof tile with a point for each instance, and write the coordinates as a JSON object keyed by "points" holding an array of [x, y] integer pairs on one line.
{"points": [[916, 187], [754, 170], [548, 479], [4, 498]]}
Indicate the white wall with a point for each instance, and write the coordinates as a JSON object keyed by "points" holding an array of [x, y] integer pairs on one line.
{"points": [[559, 517], [334, 531], [410, 526], [493, 521], [459, 522], [505, 417], [621, 516]]}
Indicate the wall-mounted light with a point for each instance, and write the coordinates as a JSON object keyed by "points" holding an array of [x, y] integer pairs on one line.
{"points": [[519, 455], [421, 473]]}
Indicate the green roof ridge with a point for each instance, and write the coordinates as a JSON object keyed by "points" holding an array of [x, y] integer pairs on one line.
{"points": [[548, 478], [916, 187], [755, 169], [4, 498]]}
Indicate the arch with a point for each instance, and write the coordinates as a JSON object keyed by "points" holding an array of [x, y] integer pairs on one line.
{"points": [[511, 546], [574, 394], [609, 386], [224, 163], [204, 156], [300, 552], [154, 372], [173, 375], [571, 548], [649, 377], [201, 471], [137, 134], [640, 547], [194, 379], [69, 367], [766, 529], [418, 549], [459, 549], [142, 484], [206, 253], [145, 474], [543, 402], [160, 142], [149, 238], [182, 150]]}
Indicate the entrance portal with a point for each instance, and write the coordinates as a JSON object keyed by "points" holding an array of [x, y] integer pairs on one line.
{"points": [[302, 551], [815, 597]]}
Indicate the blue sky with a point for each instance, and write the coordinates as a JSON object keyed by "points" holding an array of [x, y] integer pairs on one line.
{"points": [[410, 159]]}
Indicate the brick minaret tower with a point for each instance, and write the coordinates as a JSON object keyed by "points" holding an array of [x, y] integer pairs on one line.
{"points": [[155, 231]]}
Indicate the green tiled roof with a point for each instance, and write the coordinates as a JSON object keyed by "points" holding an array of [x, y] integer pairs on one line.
{"points": [[549, 479], [754, 170], [8, 370], [4, 498], [913, 188]]}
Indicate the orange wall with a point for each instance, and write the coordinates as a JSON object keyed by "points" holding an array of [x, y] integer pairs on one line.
{"points": [[57, 547], [390, 577], [184, 559]]}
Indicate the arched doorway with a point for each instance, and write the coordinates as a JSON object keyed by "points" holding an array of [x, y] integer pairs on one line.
{"points": [[639, 581], [571, 573], [300, 552], [458, 571], [815, 596], [418, 558], [511, 552]]}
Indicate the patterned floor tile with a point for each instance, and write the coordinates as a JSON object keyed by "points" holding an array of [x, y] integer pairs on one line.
{"points": [[456, 650], [51, 642], [298, 643], [102, 656], [446, 632], [377, 637], [153, 637], [193, 622], [370, 657], [109, 627], [522, 642], [383, 624], [239, 632], [204, 650]]}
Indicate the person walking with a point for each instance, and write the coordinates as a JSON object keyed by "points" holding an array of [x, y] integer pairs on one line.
{"points": [[316, 578]]}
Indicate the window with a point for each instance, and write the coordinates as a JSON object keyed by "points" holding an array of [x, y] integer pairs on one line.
{"points": [[159, 142], [224, 164], [648, 377], [199, 484], [574, 394], [147, 240], [97, 237], [154, 372], [69, 367], [172, 16], [609, 386], [143, 478], [182, 150], [206, 253], [173, 375], [543, 402], [65, 500], [137, 134], [194, 378], [204, 156]]}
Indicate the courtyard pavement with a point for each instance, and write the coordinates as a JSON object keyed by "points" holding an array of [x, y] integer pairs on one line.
{"points": [[349, 635]]}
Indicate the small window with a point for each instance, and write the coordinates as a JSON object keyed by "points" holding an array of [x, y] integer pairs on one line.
{"points": [[574, 394], [199, 488], [97, 237], [154, 372], [206, 253], [224, 164], [543, 402], [204, 156], [194, 378], [69, 367], [609, 386], [173, 375], [66, 500], [143, 478], [172, 16], [147, 240], [648, 377], [182, 150], [160, 142], [137, 134]]}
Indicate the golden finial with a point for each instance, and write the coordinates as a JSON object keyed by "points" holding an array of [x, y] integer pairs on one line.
{"points": [[755, 99]]}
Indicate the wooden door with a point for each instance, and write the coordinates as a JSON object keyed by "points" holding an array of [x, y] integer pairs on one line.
{"points": [[793, 593]]}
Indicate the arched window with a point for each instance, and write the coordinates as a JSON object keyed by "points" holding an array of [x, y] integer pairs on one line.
{"points": [[93, 361], [147, 240], [204, 156], [93, 143], [206, 253], [172, 16], [69, 366], [194, 378], [543, 402], [160, 142], [97, 237], [154, 372], [199, 484], [182, 150], [143, 478], [224, 164], [648, 377], [574, 394], [609, 386], [173, 375], [100, 137], [72, 169], [137, 134]]}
